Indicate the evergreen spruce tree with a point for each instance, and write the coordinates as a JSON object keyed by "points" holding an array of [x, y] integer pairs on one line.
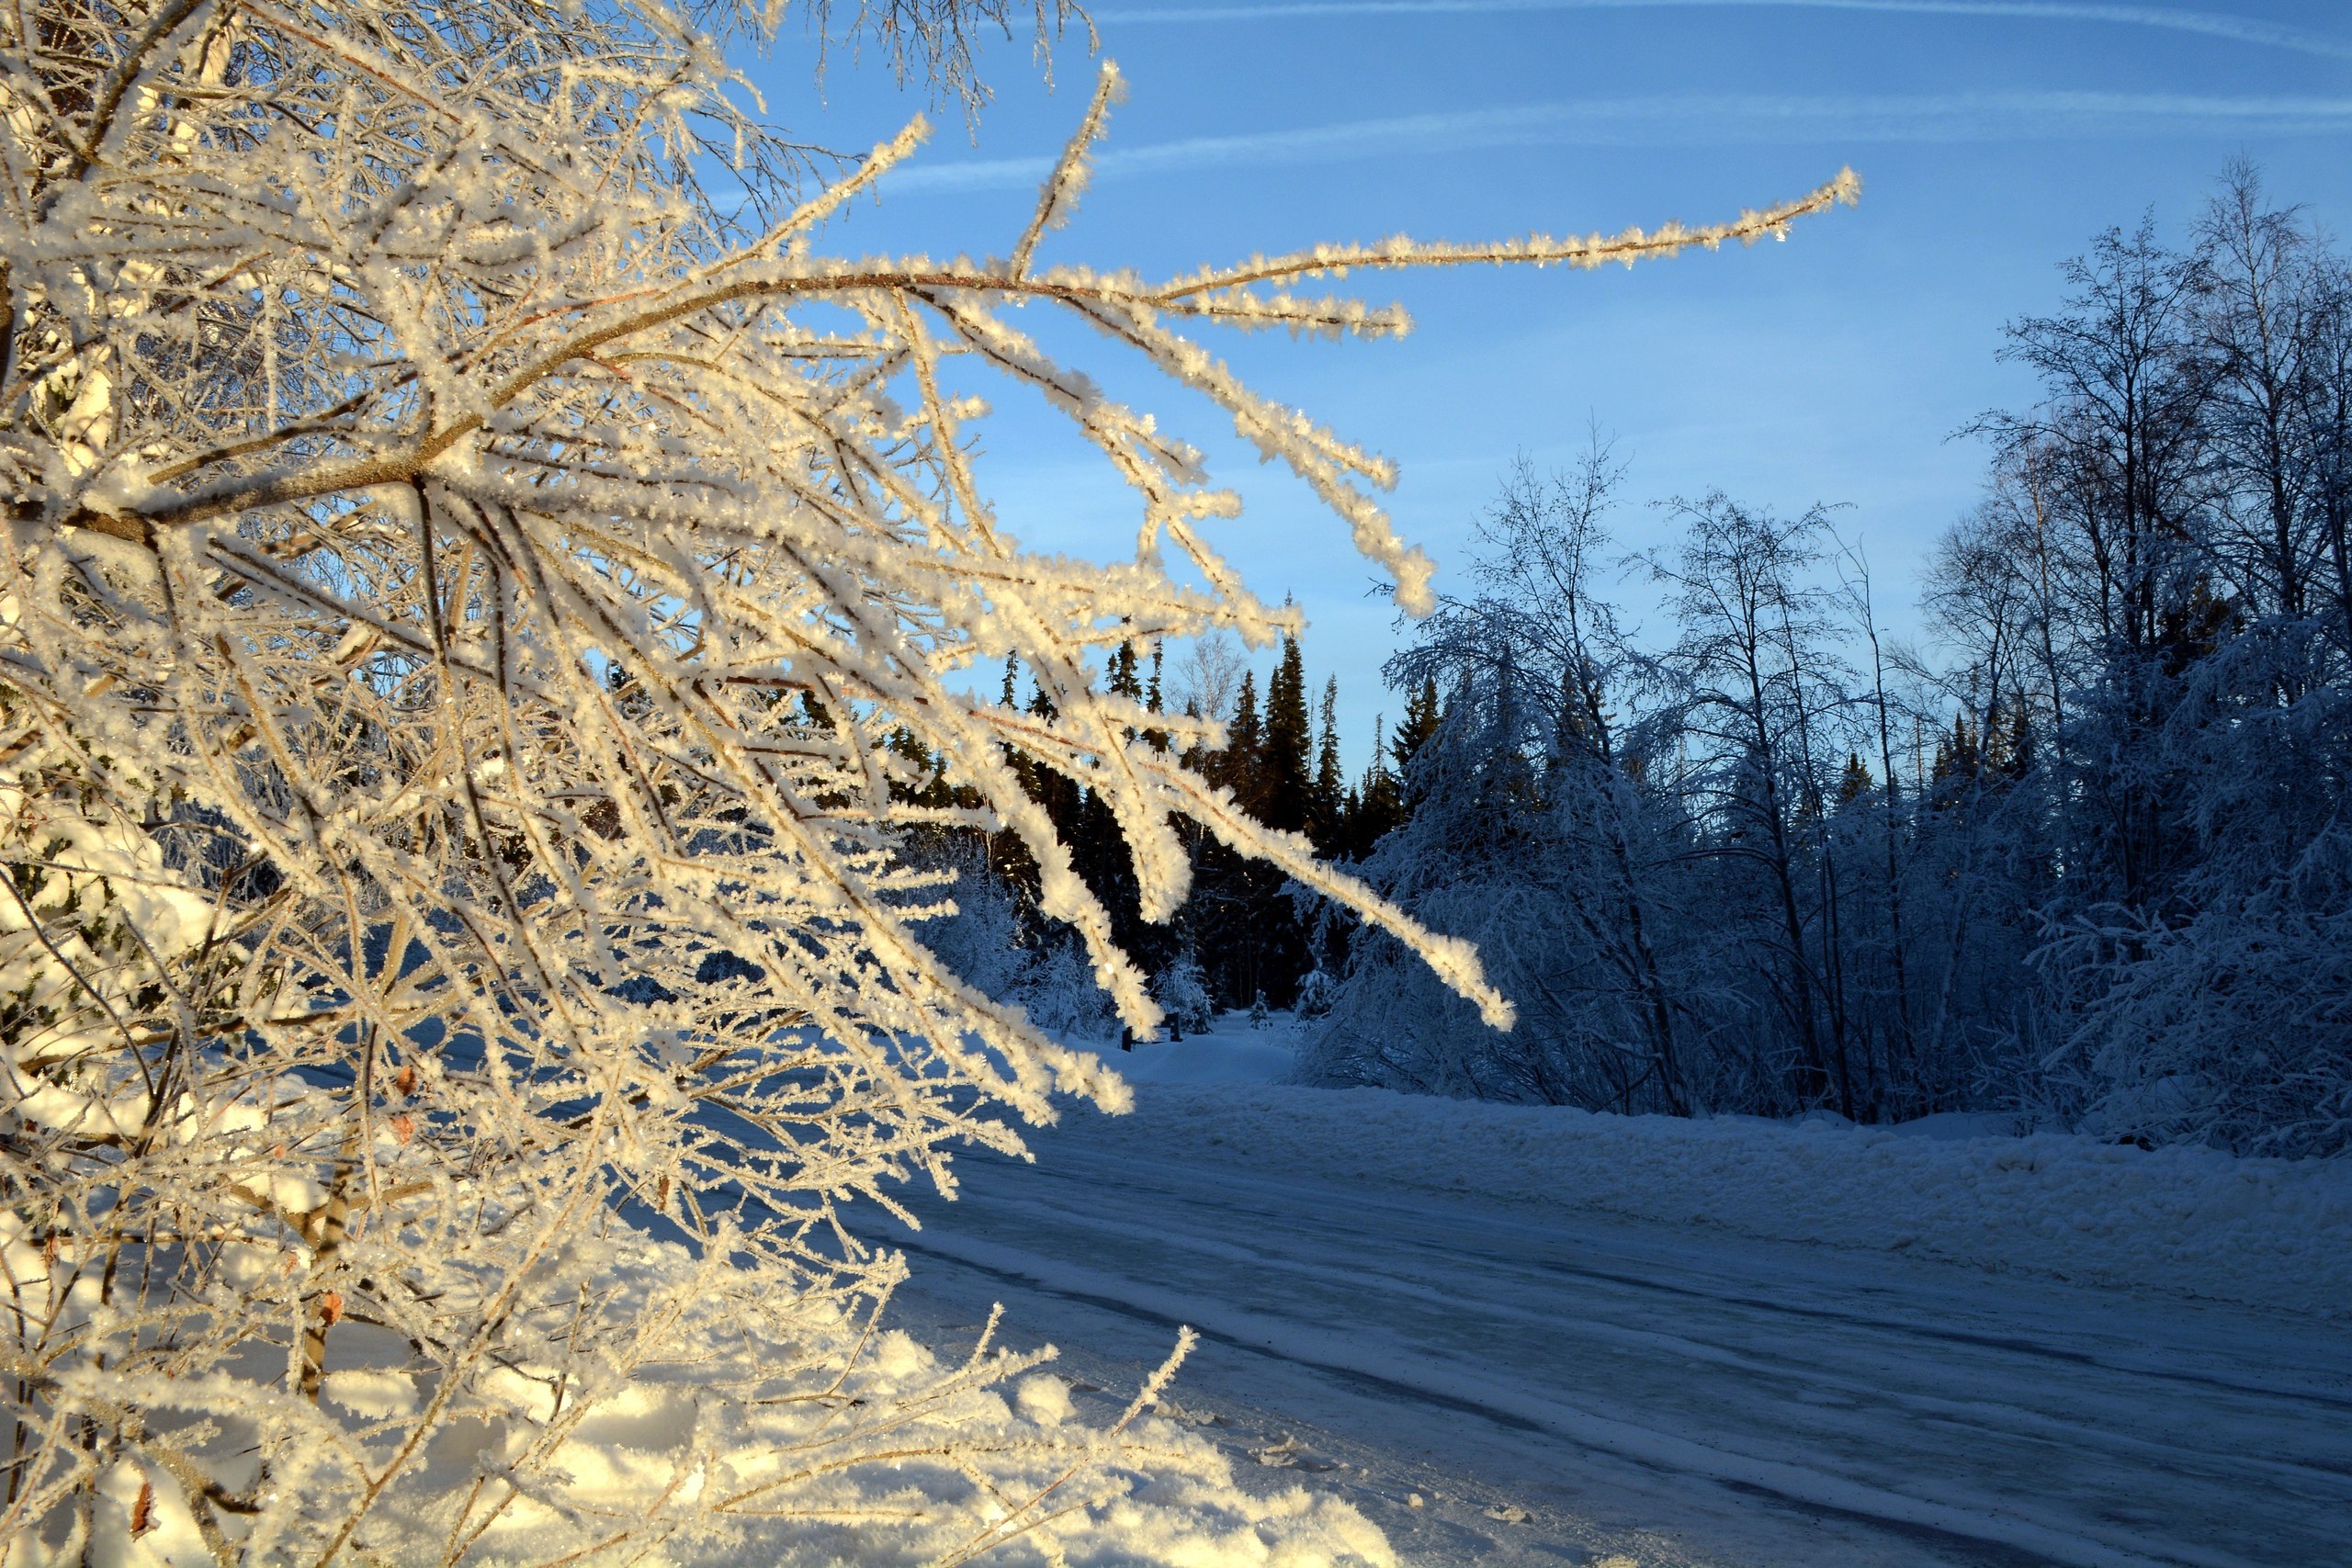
{"points": [[1123, 679], [1239, 765], [1327, 805], [1287, 749], [1008, 855], [1856, 781], [1101, 850], [1241, 924], [1379, 805], [1959, 760], [1062, 796], [1424, 711], [1154, 697]]}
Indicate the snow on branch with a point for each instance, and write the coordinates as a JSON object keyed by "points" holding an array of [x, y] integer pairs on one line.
{"points": [[1059, 199], [475, 626], [1540, 249]]}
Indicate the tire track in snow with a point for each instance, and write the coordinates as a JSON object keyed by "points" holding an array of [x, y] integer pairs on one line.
{"points": [[1667, 1340], [2007, 1530], [1526, 1247]]}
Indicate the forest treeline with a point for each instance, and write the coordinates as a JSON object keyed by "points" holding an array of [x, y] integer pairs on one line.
{"points": [[2085, 858], [1243, 939]]}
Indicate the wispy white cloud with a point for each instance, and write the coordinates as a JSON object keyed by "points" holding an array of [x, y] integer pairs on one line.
{"points": [[1682, 120], [2207, 24]]}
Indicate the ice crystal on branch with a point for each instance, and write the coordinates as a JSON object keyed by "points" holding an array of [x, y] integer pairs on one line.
{"points": [[467, 614]]}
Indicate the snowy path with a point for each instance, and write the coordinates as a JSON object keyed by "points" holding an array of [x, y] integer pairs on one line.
{"points": [[1648, 1395]]}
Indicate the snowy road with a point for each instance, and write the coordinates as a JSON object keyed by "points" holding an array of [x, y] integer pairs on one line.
{"points": [[1647, 1394]]}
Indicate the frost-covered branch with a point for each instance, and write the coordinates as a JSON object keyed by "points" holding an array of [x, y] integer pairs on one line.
{"points": [[473, 627]]}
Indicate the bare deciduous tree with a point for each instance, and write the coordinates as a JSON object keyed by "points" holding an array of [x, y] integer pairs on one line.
{"points": [[460, 593]]}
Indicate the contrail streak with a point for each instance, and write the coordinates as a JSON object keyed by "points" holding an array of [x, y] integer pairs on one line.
{"points": [[2207, 24], [1687, 118]]}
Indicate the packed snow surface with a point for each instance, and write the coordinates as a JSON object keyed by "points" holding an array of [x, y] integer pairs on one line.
{"points": [[1531, 1336], [2267, 1232]]}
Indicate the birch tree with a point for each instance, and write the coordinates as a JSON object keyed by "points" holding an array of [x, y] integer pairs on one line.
{"points": [[463, 583]]}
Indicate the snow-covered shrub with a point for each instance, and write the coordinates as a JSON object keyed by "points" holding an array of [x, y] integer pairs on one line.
{"points": [[988, 945], [2224, 1015], [1531, 833], [981, 941], [1183, 993], [1508, 846], [508, 586], [1316, 994], [2235, 1027], [1059, 991]]}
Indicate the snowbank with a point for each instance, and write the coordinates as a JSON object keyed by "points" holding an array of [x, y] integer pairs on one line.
{"points": [[2274, 1233], [734, 1448], [941, 1459]]}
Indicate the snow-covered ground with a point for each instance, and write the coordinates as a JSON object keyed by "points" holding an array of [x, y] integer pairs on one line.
{"points": [[2189, 1221], [1521, 1335]]}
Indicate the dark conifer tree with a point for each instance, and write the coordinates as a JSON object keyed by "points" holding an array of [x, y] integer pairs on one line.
{"points": [[1379, 800], [1008, 856], [1855, 781], [1424, 712], [1122, 677], [1285, 758], [1239, 924], [1154, 699], [1237, 766], [1328, 806], [1101, 850], [1060, 795]]}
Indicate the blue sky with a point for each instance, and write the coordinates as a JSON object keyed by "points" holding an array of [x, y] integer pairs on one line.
{"points": [[1995, 137]]}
